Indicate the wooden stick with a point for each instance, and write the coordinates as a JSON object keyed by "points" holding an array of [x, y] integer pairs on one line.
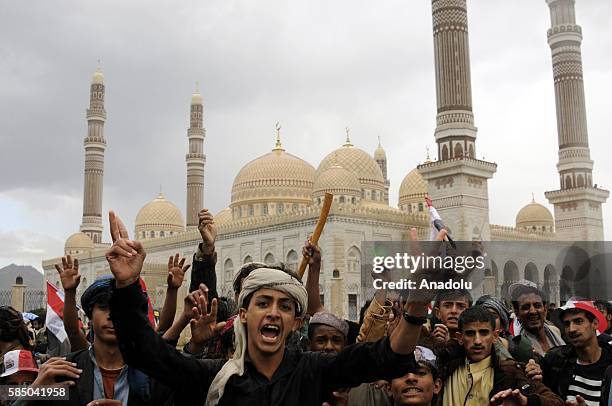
{"points": [[318, 230]]}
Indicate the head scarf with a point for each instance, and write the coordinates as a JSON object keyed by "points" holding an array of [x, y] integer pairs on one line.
{"points": [[498, 306], [330, 319], [261, 278]]}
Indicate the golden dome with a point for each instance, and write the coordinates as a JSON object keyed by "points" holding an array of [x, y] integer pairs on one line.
{"points": [[274, 176], [534, 215], [159, 215], [336, 180], [359, 163], [224, 216], [413, 186], [98, 77], [77, 243]]}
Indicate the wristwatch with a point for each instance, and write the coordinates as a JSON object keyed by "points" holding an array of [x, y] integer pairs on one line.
{"points": [[416, 320]]}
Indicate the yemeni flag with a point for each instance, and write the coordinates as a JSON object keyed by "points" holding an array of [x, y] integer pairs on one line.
{"points": [[150, 314], [55, 313]]}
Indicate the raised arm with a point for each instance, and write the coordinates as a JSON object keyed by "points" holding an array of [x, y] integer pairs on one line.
{"points": [[176, 274], [205, 258], [313, 253], [377, 314], [70, 279]]}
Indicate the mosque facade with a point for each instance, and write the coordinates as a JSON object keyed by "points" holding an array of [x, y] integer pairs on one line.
{"points": [[276, 198]]}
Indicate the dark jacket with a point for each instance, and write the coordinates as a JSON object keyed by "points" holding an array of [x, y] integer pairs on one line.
{"points": [[558, 367], [82, 392], [507, 374], [303, 378]]}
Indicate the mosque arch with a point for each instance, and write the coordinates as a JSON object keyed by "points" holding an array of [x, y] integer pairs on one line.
{"points": [[444, 152], [551, 282], [531, 273], [511, 275], [353, 259], [292, 260], [458, 150], [568, 182], [269, 259], [247, 259], [567, 283], [228, 269], [580, 181]]}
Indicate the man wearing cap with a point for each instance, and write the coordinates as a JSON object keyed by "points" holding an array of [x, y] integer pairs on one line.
{"points": [[262, 371], [530, 307], [13, 332], [327, 332], [19, 368], [576, 371]]}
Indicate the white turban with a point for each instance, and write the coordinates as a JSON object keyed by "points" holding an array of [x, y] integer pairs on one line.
{"points": [[261, 278]]}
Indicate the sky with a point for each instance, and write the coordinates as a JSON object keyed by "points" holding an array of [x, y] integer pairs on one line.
{"points": [[315, 66]]}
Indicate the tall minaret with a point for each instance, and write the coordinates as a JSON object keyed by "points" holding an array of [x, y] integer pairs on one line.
{"points": [[578, 214], [457, 182], [195, 159], [95, 145], [380, 156]]}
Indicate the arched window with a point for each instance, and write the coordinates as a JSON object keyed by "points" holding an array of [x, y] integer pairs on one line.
{"points": [[353, 260], [279, 208], [264, 209], [341, 199], [568, 182], [580, 181], [228, 269], [292, 260], [353, 200], [471, 150], [152, 234], [247, 259], [162, 233], [19, 280], [420, 206], [458, 150], [444, 152], [251, 210], [336, 273], [269, 259]]}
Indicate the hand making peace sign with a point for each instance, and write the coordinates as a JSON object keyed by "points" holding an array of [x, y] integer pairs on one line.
{"points": [[125, 256]]}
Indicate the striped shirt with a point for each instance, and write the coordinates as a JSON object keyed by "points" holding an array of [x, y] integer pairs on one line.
{"points": [[588, 381]]}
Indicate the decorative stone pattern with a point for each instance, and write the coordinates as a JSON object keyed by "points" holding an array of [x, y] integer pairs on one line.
{"points": [[195, 159]]}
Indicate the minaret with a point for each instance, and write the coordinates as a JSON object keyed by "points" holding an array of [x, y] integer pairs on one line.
{"points": [[457, 182], [95, 145], [380, 156], [578, 214], [195, 161]]}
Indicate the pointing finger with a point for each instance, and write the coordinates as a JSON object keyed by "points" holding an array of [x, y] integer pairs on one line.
{"points": [[114, 227]]}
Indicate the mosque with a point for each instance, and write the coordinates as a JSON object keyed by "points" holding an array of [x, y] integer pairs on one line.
{"points": [[276, 198]]}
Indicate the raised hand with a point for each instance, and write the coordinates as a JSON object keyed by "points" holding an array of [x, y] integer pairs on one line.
{"points": [[192, 301], [69, 273], [533, 371], [208, 231], [204, 325], [176, 271], [428, 201], [509, 397], [125, 256], [55, 368], [313, 253]]}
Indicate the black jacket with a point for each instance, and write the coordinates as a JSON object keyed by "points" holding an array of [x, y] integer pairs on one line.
{"points": [[558, 368], [301, 379]]}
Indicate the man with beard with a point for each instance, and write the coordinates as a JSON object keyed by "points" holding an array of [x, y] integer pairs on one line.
{"points": [[530, 308], [576, 371], [262, 371], [476, 376]]}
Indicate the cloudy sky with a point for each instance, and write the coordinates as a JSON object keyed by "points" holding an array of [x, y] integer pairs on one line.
{"points": [[316, 66]]}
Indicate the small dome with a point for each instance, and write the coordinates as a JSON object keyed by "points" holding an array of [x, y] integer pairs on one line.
{"points": [[196, 98], [275, 176], [359, 163], [413, 186], [77, 243], [98, 77], [534, 215], [159, 215], [338, 181], [224, 216]]}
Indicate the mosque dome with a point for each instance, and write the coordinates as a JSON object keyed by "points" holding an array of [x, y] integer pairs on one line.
{"points": [[361, 165], [78, 243], [98, 77], [534, 217], [412, 191], [277, 176], [158, 218], [223, 217], [338, 181]]}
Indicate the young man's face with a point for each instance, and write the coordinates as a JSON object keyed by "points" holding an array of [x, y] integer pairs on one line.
{"points": [[531, 312], [579, 330], [604, 310], [416, 387], [448, 312], [102, 324], [327, 339], [477, 339], [269, 319]]}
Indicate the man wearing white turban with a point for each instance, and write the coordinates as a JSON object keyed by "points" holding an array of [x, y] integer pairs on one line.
{"points": [[262, 371]]}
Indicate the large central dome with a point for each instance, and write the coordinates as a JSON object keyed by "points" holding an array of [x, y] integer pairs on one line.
{"points": [[274, 177]]}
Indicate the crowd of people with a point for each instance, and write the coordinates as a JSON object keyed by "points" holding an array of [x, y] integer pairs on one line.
{"points": [[274, 343]]}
